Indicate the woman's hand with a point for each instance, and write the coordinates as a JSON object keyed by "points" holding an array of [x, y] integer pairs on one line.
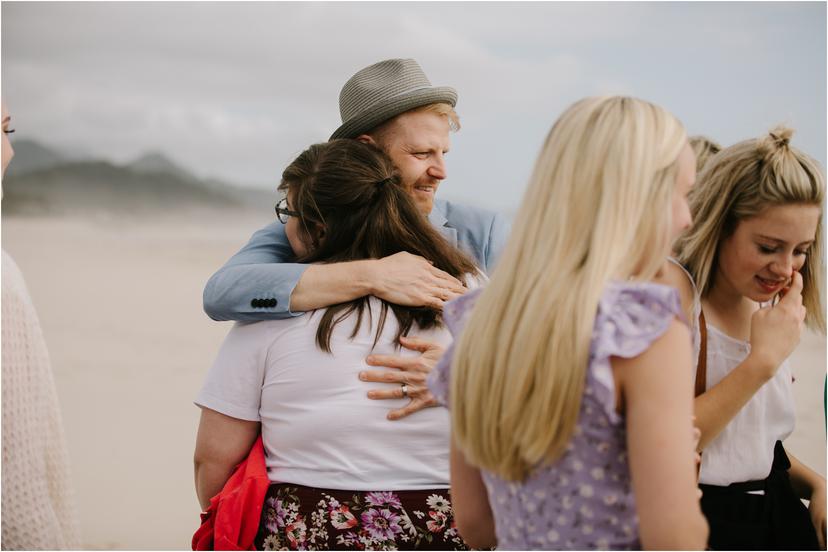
{"points": [[409, 371], [817, 510], [775, 331]]}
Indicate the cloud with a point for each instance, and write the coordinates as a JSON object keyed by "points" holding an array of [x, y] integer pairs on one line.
{"points": [[237, 89]]}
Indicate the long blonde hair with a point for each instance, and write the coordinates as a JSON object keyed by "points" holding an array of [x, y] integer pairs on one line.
{"points": [[740, 183], [597, 208]]}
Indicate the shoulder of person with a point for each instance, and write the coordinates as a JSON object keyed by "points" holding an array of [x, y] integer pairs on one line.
{"points": [[274, 230], [676, 276], [264, 333], [632, 314], [465, 217]]}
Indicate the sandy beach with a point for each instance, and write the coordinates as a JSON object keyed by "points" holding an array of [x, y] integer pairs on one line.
{"points": [[120, 306]]}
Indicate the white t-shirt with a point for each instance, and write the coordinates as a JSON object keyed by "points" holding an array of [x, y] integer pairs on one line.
{"points": [[319, 427]]}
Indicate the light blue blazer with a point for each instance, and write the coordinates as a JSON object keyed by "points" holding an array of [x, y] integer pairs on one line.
{"points": [[256, 283]]}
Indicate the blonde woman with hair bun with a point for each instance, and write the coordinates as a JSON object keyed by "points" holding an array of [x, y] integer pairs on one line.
{"points": [[704, 148], [570, 384], [749, 276]]}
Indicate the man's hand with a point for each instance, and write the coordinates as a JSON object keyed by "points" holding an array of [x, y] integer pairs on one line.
{"points": [[411, 371], [410, 280]]}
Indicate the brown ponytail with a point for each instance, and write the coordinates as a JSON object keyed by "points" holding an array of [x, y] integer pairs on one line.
{"points": [[353, 206]]}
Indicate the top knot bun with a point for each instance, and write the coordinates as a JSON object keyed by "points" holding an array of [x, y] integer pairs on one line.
{"points": [[781, 136], [777, 141]]}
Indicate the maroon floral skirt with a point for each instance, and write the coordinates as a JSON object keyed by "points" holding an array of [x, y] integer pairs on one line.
{"points": [[306, 518]]}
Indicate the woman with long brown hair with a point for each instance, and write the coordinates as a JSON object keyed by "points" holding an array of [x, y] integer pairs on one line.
{"points": [[343, 476]]}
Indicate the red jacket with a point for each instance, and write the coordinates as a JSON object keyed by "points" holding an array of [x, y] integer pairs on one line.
{"points": [[232, 520]]}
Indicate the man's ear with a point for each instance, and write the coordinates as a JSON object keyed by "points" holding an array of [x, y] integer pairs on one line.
{"points": [[367, 139]]}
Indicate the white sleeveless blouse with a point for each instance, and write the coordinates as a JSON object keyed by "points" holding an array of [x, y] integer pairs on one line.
{"points": [[743, 451]]}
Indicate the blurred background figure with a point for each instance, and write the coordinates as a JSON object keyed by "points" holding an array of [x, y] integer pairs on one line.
{"points": [[37, 500], [704, 148]]}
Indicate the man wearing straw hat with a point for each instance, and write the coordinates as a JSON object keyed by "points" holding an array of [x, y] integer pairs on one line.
{"points": [[393, 105]]}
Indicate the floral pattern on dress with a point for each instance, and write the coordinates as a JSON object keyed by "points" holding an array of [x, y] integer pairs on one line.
{"points": [[368, 521]]}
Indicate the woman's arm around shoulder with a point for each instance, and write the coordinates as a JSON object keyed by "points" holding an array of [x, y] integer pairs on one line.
{"points": [[657, 390]]}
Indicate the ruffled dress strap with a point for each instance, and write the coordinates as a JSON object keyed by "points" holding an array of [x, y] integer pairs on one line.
{"points": [[630, 317], [455, 315]]}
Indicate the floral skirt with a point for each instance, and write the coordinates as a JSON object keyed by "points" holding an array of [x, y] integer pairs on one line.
{"points": [[306, 518]]}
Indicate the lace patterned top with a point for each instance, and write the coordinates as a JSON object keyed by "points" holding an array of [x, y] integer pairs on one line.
{"points": [[38, 501], [584, 499]]}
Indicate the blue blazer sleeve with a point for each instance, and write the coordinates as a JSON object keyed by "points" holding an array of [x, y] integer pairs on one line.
{"points": [[256, 283]]}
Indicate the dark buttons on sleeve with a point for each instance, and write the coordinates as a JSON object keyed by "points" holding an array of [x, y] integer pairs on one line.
{"points": [[255, 303], [272, 303]]}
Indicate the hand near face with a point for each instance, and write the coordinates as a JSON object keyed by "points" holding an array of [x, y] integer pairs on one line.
{"points": [[775, 330], [411, 371], [410, 280]]}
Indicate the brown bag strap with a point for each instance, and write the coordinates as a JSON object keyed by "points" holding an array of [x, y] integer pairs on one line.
{"points": [[701, 366]]}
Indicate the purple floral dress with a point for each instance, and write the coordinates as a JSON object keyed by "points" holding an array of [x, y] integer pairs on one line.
{"points": [[583, 500]]}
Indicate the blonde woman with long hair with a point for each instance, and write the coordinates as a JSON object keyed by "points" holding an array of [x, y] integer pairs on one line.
{"points": [[570, 385], [755, 255]]}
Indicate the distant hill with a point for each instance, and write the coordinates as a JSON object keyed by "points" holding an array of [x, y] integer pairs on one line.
{"points": [[158, 163], [47, 183], [31, 156]]}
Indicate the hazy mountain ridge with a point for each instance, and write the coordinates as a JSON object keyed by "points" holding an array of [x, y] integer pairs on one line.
{"points": [[32, 156], [42, 180], [157, 163]]}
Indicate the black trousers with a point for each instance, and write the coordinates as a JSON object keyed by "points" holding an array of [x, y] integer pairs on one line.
{"points": [[777, 520]]}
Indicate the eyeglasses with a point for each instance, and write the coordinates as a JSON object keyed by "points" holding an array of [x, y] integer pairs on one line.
{"points": [[282, 212]]}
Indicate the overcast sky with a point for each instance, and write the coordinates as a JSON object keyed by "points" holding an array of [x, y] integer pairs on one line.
{"points": [[236, 90]]}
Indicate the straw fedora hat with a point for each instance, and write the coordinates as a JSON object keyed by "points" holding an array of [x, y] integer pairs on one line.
{"points": [[384, 90]]}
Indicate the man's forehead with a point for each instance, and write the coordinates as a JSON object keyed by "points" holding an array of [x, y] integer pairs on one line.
{"points": [[421, 142], [423, 130]]}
